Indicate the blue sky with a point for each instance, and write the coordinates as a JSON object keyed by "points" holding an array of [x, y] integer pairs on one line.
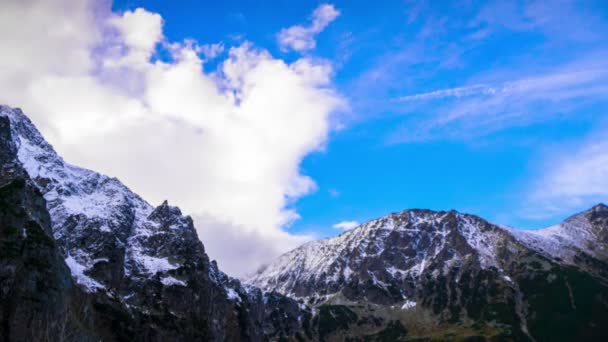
{"points": [[272, 123], [521, 84]]}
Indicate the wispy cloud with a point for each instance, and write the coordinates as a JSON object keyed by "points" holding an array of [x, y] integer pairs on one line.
{"points": [[482, 108], [528, 85], [345, 225], [302, 38], [570, 178], [333, 192], [556, 20], [461, 49], [477, 89], [210, 51]]}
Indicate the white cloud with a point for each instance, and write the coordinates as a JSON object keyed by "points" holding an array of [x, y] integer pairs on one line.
{"points": [[345, 225], [211, 51], [302, 38], [141, 30], [572, 178], [225, 145], [244, 250]]}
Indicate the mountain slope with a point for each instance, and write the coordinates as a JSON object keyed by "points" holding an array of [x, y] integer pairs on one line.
{"points": [[38, 299], [144, 267], [442, 273]]}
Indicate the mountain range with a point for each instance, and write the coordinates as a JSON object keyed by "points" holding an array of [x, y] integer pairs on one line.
{"points": [[84, 258], [447, 275]]}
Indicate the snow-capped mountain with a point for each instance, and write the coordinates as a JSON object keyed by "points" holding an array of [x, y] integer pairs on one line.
{"points": [[584, 233], [456, 270], [398, 246], [83, 258], [405, 245], [144, 265], [95, 217]]}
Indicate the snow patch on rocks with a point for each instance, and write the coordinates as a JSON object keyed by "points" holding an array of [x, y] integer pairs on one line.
{"points": [[408, 305], [170, 281], [81, 278]]}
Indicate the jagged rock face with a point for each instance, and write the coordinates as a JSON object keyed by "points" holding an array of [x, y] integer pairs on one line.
{"points": [[38, 299], [29, 260], [435, 272], [144, 268]]}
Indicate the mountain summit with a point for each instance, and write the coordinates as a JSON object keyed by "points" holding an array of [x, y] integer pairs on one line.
{"points": [[431, 272]]}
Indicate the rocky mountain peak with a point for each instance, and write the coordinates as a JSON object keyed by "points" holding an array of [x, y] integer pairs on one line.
{"points": [[598, 213], [412, 244], [388, 250], [599, 210], [446, 264], [169, 216], [598, 219]]}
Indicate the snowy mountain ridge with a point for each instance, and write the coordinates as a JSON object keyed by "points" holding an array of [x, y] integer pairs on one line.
{"points": [[105, 203], [565, 239], [453, 276], [331, 261]]}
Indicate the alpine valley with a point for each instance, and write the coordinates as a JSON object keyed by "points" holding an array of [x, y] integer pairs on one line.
{"points": [[83, 258]]}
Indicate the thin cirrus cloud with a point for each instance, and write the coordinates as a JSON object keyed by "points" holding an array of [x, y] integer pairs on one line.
{"points": [[554, 81], [571, 176], [345, 225], [483, 108], [220, 144], [575, 176], [302, 38]]}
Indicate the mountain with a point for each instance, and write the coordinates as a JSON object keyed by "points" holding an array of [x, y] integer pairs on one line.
{"points": [[83, 258], [110, 264], [421, 274], [38, 299]]}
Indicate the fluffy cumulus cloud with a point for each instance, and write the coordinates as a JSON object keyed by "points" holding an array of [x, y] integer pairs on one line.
{"points": [[302, 38], [224, 144], [345, 225]]}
